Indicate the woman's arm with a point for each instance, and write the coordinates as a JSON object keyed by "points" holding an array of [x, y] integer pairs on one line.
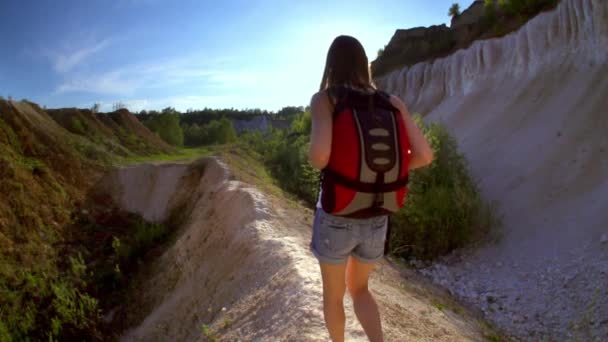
{"points": [[422, 154], [320, 136]]}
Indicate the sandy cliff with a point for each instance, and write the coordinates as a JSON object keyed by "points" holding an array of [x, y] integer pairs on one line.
{"points": [[530, 112]]}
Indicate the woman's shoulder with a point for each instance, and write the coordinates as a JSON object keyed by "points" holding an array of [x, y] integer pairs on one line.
{"points": [[319, 98]]}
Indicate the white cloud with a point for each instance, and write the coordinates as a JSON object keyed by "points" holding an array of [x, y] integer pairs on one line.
{"points": [[108, 83], [192, 82], [68, 60], [134, 78]]}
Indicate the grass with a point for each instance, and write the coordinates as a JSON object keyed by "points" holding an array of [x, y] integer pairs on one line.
{"points": [[207, 333], [245, 166], [439, 306], [182, 154]]}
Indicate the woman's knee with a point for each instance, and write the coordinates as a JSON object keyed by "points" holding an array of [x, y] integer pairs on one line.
{"points": [[357, 290]]}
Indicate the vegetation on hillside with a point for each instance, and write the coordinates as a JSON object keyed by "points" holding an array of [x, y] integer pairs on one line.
{"points": [[503, 16], [497, 18], [206, 115], [167, 125], [205, 127], [215, 132], [285, 154], [444, 209], [65, 254], [52, 265], [521, 8]]}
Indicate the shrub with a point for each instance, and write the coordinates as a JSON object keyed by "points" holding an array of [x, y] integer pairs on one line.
{"points": [[46, 306], [167, 126], [147, 234], [525, 8], [520, 9], [215, 132], [444, 209], [454, 10], [77, 126], [285, 154], [95, 108]]}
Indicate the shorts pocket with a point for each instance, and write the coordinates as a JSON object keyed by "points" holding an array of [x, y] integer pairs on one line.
{"points": [[378, 234], [334, 236]]}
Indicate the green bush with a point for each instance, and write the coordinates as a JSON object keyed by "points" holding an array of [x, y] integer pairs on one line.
{"points": [[77, 126], [38, 305], [147, 234], [285, 154], [520, 9], [444, 209], [167, 126], [215, 132], [525, 8]]}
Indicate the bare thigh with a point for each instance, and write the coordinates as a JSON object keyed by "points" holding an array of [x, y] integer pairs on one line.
{"points": [[334, 284], [357, 275]]}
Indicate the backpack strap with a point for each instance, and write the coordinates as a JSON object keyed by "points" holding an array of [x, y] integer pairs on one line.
{"points": [[330, 175], [348, 97], [338, 96]]}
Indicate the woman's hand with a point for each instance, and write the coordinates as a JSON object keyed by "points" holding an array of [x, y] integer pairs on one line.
{"points": [[422, 154]]}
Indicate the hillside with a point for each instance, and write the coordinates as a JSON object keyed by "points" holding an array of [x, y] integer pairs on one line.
{"points": [[422, 44], [529, 112], [75, 228], [49, 161]]}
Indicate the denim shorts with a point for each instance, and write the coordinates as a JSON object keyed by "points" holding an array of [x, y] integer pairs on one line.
{"points": [[334, 238]]}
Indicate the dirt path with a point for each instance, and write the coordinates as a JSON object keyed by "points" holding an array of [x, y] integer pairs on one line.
{"points": [[240, 270]]}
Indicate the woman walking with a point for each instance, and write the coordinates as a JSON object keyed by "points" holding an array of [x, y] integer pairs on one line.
{"points": [[364, 141]]}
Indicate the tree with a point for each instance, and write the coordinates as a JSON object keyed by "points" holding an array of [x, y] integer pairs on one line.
{"points": [[220, 131], [95, 108], [381, 50], [118, 105], [454, 10], [489, 5], [167, 126]]}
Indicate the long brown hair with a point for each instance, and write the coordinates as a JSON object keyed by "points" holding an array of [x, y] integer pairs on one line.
{"points": [[346, 64]]}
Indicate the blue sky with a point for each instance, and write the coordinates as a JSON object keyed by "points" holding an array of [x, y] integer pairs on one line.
{"points": [[150, 54]]}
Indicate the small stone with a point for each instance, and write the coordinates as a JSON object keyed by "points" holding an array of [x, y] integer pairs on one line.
{"points": [[604, 238]]}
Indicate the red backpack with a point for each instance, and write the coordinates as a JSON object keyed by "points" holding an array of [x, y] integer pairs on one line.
{"points": [[367, 173]]}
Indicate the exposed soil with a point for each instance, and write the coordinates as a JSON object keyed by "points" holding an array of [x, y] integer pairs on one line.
{"points": [[240, 269]]}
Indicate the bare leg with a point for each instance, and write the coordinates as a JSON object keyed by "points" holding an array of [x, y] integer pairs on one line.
{"points": [[334, 288], [366, 309]]}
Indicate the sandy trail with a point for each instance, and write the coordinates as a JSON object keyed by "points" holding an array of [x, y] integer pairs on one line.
{"points": [[240, 265]]}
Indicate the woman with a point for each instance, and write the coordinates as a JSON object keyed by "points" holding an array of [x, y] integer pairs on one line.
{"points": [[350, 265]]}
